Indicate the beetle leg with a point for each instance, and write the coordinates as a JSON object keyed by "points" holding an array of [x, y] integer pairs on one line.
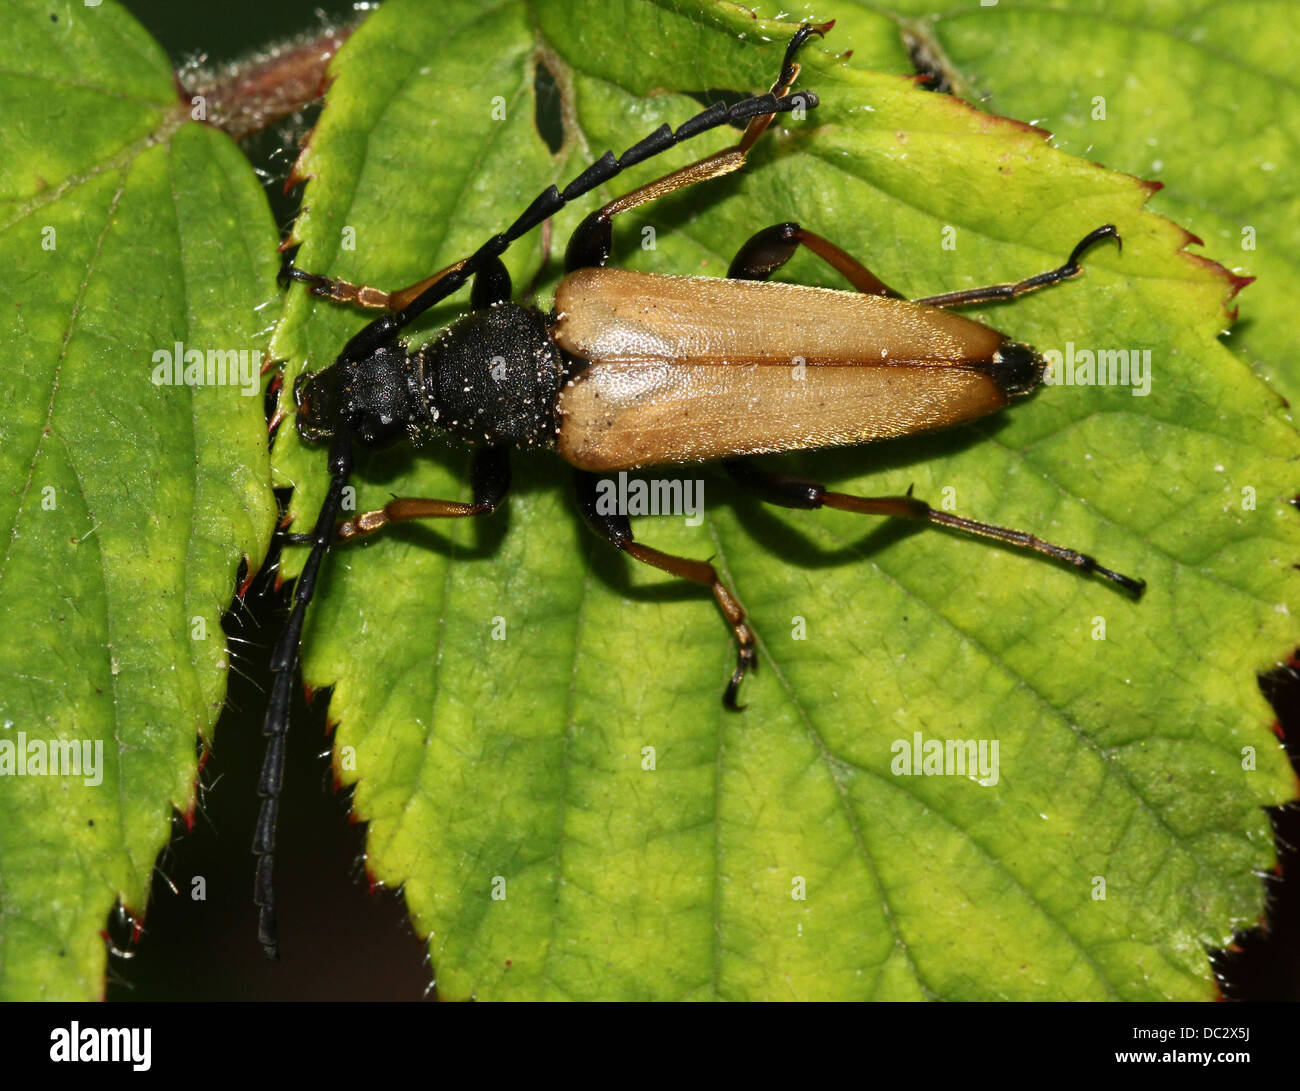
{"points": [[489, 479], [997, 292], [402, 508], [797, 492], [765, 252], [342, 291], [491, 285], [593, 240], [616, 528], [789, 73]]}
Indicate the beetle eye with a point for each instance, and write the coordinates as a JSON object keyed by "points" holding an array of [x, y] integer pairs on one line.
{"points": [[315, 402]]}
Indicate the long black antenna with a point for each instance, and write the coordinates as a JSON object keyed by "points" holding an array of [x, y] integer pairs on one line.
{"points": [[283, 661], [382, 330]]}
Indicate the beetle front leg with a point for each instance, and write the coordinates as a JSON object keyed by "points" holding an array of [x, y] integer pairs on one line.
{"points": [[491, 285], [617, 530], [363, 295], [798, 492]]}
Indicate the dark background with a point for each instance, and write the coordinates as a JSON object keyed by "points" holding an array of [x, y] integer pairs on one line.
{"points": [[338, 940]]}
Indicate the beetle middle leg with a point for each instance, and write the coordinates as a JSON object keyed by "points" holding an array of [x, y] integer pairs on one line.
{"points": [[995, 293], [592, 240], [798, 492], [616, 528], [765, 252]]}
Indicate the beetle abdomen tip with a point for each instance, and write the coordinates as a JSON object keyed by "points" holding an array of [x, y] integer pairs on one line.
{"points": [[1016, 368]]}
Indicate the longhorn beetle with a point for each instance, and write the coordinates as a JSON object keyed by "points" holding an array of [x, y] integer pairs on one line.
{"points": [[633, 370]]}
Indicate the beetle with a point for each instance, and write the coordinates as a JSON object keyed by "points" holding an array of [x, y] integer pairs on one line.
{"points": [[632, 370]]}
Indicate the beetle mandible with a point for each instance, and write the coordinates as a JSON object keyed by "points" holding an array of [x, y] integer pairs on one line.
{"points": [[609, 379]]}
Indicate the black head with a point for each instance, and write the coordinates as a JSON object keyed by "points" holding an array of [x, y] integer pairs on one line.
{"points": [[379, 395]]}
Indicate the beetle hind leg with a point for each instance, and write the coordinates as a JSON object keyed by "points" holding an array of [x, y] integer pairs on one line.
{"points": [[797, 492], [616, 528]]}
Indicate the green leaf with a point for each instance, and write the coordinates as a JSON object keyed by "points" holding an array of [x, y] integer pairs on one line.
{"points": [[125, 506], [520, 765], [1190, 96]]}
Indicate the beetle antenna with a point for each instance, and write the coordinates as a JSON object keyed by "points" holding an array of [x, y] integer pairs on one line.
{"points": [[284, 659], [551, 200]]}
